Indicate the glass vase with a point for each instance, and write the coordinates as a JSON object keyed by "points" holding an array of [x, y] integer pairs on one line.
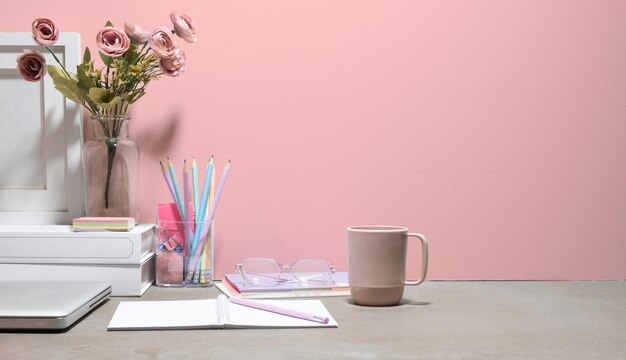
{"points": [[111, 168]]}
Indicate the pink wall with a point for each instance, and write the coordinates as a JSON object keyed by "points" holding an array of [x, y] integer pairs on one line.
{"points": [[494, 127]]}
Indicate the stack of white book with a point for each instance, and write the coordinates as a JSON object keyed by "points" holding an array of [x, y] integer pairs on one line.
{"points": [[125, 259]]}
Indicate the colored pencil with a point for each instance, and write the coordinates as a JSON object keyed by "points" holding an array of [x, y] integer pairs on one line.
{"points": [[280, 310], [205, 198], [176, 188], [206, 250], [205, 229], [171, 188], [188, 220], [194, 179], [187, 217], [202, 213], [205, 190]]}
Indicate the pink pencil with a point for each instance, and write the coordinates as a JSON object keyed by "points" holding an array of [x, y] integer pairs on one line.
{"points": [[280, 310]]}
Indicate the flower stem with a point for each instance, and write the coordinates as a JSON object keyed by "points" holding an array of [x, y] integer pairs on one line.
{"points": [[58, 62], [106, 80], [111, 150]]}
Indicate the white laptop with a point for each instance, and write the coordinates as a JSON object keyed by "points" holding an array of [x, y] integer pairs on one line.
{"points": [[48, 305]]}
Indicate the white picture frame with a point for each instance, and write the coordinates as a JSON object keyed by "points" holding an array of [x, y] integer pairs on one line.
{"points": [[41, 137]]}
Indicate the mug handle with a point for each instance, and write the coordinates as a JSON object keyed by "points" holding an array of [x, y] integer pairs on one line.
{"points": [[424, 242]]}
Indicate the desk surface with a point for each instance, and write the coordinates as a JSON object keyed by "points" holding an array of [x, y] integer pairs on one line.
{"points": [[435, 320]]}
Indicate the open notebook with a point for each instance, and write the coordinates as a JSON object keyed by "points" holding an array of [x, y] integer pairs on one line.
{"points": [[213, 314]]}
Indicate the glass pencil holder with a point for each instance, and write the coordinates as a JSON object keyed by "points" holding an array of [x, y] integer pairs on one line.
{"points": [[184, 253]]}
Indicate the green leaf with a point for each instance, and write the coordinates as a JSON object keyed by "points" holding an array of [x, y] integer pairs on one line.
{"points": [[56, 72], [142, 93], [134, 96], [67, 86], [103, 98], [86, 56], [85, 82], [109, 23], [105, 59], [131, 54]]}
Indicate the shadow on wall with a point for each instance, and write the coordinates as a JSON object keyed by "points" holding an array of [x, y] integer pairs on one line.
{"points": [[157, 140]]}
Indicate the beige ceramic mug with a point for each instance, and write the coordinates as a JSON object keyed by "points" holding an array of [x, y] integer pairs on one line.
{"points": [[377, 263]]}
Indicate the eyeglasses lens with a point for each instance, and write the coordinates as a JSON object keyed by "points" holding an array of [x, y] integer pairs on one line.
{"points": [[261, 271], [312, 270]]}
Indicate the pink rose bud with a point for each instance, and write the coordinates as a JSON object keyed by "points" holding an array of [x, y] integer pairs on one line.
{"points": [[162, 43], [175, 65], [112, 41], [136, 33], [45, 32], [32, 65], [184, 27]]}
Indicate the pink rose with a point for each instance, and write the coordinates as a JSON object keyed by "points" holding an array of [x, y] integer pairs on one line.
{"points": [[112, 41], [136, 33], [175, 65], [32, 65], [162, 43], [45, 32], [184, 27]]}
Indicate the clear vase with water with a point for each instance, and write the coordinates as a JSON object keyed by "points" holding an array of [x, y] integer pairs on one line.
{"points": [[111, 162]]}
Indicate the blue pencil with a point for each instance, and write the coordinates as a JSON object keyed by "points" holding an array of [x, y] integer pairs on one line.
{"points": [[171, 188], [206, 188], [179, 199]]}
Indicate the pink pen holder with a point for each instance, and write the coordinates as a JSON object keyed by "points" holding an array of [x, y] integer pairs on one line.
{"points": [[184, 254]]}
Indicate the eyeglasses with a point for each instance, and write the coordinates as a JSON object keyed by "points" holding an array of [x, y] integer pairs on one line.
{"points": [[268, 272]]}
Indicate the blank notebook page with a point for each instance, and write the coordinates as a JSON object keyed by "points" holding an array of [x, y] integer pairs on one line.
{"points": [[165, 314]]}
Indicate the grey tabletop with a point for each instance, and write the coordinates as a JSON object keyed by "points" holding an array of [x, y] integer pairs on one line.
{"points": [[434, 320]]}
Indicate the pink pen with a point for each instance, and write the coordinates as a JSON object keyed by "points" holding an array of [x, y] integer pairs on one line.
{"points": [[279, 310]]}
